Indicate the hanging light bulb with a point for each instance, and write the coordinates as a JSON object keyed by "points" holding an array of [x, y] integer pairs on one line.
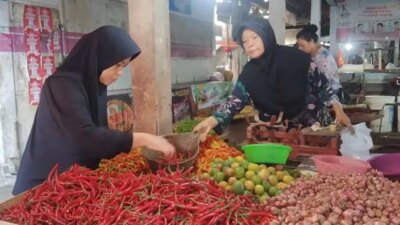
{"points": [[348, 46]]}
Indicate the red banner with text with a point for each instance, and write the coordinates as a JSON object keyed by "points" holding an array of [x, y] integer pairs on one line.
{"points": [[39, 48]]}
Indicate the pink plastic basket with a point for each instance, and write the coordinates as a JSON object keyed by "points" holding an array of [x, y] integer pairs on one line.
{"points": [[330, 164]]}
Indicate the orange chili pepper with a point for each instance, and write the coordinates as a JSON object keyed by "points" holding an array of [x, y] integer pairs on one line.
{"points": [[133, 162], [213, 147]]}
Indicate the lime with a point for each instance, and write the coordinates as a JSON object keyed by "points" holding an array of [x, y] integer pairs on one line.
{"points": [[238, 188], [219, 166], [295, 174], [281, 185], [273, 180], [228, 187], [219, 176], [222, 184], [271, 170], [244, 163], [259, 189], [239, 158], [278, 192], [228, 171], [246, 192], [213, 171], [218, 160], [263, 174], [238, 172], [288, 179], [242, 180], [266, 185], [253, 167], [228, 162], [249, 174], [272, 191], [235, 165], [263, 198], [231, 180], [249, 185], [205, 175], [256, 179], [280, 175]]}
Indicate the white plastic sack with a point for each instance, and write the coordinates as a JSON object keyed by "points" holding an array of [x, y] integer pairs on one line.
{"points": [[356, 145]]}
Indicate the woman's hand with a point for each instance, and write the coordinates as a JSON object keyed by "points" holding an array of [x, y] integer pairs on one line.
{"points": [[154, 142], [205, 126], [342, 118]]}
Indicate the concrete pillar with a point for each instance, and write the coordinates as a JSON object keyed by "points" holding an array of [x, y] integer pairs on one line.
{"points": [[151, 70], [334, 45], [277, 13], [316, 14], [396, 54]]}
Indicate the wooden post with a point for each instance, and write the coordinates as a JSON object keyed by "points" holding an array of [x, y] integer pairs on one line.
{"points": [[151, 70]]}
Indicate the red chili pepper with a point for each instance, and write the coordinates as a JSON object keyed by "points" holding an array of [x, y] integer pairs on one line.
{"points": [[93, 197], [217, 218]]}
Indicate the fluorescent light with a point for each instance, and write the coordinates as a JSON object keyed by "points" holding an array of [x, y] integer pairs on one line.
{"points": [[348, 46]]}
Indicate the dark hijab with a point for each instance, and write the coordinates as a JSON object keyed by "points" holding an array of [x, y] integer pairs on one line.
{"points": [[95, 52], [70, 124], [277, 81]]}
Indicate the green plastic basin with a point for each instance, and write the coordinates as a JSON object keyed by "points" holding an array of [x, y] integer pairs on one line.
{"points": [[267, 153]]}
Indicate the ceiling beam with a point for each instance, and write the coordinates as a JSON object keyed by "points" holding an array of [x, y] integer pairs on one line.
{"points": [[261, 3], [288, 27], [300, 9]]}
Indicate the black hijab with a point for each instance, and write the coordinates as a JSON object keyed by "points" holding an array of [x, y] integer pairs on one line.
{"points": [[277, 81], [95, 52]]}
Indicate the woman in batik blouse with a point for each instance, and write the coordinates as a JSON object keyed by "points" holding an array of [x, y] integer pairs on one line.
{"points": [[327, 82]]}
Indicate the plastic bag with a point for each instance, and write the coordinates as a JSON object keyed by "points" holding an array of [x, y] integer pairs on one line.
{"points": [[356, 145]]}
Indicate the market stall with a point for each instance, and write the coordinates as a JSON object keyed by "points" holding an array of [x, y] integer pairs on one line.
{"points": [[223, 187], [255, 173]]}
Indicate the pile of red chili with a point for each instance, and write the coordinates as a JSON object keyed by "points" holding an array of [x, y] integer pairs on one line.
{"points": [[180, 157], [82, 196]]}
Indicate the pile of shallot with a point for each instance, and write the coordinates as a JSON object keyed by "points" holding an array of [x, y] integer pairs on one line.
{"points": [[353, 199]]}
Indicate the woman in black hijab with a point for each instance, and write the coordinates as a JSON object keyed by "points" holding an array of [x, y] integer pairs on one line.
{"points": [[274, 80], [70, 125]]}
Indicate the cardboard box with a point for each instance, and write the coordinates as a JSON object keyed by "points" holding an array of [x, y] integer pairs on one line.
{"points": [[182, 106]]}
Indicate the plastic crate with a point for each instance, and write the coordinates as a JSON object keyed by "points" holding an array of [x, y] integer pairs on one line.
{"points": [[303, 144], [316, 144]]}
